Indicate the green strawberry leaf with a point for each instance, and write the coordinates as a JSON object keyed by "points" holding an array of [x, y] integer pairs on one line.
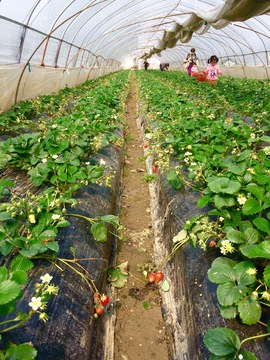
{"points": [[110, 219], [23, 351], [222, 271], [236, 236], [9, 290], [21, 263], [99, 231], [249, 310], [224, 201], [261, 250], [256, 191], [229, 293], [174, 180], [251, 235], [19, 276], [116, 277], [251, 207], [203, 201], [53, 245], [224, 185], [3, 273], [243, 276], [221, 341], [262, 224], [238, 168], [228, 312]]}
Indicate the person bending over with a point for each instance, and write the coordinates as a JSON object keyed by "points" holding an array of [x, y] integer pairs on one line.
{"points": [[164, 66]]}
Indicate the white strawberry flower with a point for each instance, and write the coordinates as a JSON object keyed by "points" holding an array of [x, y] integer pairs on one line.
{"points": [[46, 278], [241, 199], [35, 303]]}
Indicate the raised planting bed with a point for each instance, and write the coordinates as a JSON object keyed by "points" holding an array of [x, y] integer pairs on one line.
{"points": [[72, 331], [60, 185], [209, 179]]}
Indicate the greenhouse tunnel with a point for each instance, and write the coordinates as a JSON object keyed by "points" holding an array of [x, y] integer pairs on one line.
{"points": [[93, 54]]}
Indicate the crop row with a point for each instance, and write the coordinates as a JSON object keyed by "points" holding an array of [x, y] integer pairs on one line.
{"points": [[53, 143], [218, 136]]}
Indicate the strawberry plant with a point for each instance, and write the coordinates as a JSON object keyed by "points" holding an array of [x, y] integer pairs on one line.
{"points": [[12, 280]]}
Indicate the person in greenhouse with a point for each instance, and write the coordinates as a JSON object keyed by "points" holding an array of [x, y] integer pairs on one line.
{"points": [[164, 66], [146, 65], [191, 60], [212, 71]]}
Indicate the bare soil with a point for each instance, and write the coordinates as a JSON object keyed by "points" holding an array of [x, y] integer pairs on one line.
{"points": [[139, 330]]}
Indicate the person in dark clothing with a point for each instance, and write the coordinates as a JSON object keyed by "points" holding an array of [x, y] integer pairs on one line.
{"points": [[146, 65], [164, 66]]}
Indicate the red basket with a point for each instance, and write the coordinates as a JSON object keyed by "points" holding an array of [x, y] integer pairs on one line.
{"points": [[201, 77]]}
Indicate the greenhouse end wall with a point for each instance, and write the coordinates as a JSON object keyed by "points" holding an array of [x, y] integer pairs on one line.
{"points": [[21, 82]]}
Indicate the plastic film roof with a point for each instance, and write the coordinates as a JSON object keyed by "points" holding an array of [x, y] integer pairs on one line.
{"points": [[80, 33]]}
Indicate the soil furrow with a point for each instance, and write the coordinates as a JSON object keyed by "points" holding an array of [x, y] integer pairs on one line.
{"points": [[139, 330]]}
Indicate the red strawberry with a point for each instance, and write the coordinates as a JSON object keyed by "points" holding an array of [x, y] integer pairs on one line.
{"points": [[124, 133], [104, 300], [151, 277], [154, 170], [159, 276], [99, 310]]}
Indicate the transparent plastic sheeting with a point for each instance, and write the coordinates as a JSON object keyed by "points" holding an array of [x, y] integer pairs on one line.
{"points": [[48, 44], [73, 33]]}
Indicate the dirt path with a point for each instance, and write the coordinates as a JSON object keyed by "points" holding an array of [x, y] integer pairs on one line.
{"points": [[140, 330]]}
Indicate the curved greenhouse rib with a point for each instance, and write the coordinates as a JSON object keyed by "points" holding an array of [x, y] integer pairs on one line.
{"points": [[165, 17], [39, 45], [260, 36], [80, 28], [25, 27], [51, 29], [126, 23], [133, 10], [61, 41], [254, 52], [118, 30], [87, 7]]}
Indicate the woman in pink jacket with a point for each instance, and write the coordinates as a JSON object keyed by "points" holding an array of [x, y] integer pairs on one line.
{"points": [[212, 71], [191, 60]]}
